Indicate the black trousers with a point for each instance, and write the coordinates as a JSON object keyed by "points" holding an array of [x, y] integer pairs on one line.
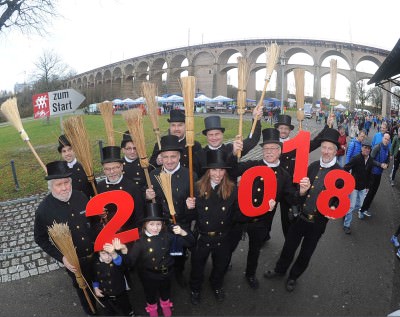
{"points": [[373, 189], [154, 288], [257, 233], [301, 232], [219, 249], [117, 305], [86, 265], [396, 163], [285, 219]]}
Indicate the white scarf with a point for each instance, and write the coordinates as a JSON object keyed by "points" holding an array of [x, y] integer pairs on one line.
{"points": [[327, 165], [272, 164]]}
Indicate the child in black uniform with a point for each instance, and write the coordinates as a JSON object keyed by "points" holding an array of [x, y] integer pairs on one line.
{"points": [[154, 262], [109, 282]]}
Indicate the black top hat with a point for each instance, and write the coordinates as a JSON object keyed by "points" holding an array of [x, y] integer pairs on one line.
{"points": [[111, 154], [284, 119], [216, 159], [62, 141], [170, 143], [126, 137], [57, 169], [331, 135], [212, 123], [176, 115], [270, 135], [153, 213]]}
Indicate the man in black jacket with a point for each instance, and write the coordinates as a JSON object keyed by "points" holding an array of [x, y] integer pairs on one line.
{"points": [[65, 205], [360, 167], [215, 138], [311, 223]]}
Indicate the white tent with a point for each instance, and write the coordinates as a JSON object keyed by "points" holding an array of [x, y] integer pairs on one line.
{"points": [[340, 107], [202, 98], [221, 99]]}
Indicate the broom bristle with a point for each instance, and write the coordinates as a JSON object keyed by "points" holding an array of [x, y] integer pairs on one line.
{"points": [[107, 111], [164, 179], [61, 236], [299, 82], [134, 120], [188, 90], [333, 73], [78, 137], [10, 110], [272, 59], [149, 91], [243, 78]]}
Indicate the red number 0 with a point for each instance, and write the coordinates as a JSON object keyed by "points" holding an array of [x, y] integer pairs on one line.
{"points": [[342, 194], [300, 143], [125, 206], [245, 190]]}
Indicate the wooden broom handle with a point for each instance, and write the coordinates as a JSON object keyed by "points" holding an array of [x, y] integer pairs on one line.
{"points": [[191, 186], [259, 105], [146, 174], [37, 156]]}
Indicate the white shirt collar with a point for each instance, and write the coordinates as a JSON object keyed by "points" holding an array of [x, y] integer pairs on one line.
{"points": [[172, 172], [327, 165], [272, 164], [116, 182], [72, 163], [284, 140], [213, 184], [214, 148], [129, 160]]}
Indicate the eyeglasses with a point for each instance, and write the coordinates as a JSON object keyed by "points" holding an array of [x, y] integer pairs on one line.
{"points": [[111, 169], [130, 148], [270, 149]]}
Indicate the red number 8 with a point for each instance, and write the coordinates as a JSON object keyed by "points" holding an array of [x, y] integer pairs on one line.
{"points": [[342, 194]]}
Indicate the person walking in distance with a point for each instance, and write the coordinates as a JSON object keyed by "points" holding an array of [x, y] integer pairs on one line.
{"points": [[381, 157]]}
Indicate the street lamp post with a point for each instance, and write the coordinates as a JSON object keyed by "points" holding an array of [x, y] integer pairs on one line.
{"points": [[283, 63]]}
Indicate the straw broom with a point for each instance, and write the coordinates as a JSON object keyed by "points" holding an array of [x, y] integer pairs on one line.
{"points": [[149, 93], [134, 120], [299, 81], [333, 71], [76, 134], [62, 239], [164, 179], [272, 58], [107, 111], [188, 90], [243, 78], [10, 110]]}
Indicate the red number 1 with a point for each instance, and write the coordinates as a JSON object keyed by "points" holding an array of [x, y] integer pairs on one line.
{"points": [[300, 143], [125, 206]]}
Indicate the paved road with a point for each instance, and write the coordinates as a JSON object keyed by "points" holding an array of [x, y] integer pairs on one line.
{"points": [[349, 275]]}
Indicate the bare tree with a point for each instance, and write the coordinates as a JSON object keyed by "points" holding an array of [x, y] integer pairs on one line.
{"points": [[50, 72], [395, 99], [375, 96], [29, 16], [361, 94]]}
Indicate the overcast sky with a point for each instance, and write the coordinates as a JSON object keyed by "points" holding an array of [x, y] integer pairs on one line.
{"points": [[94, 33]]}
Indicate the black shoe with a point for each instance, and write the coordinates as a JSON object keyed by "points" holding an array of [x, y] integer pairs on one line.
{"points": [[347, 230], [273, 274], [290, 285], [253, 282], [180, 279], [195, 297], [219, 295], [229, 268]]}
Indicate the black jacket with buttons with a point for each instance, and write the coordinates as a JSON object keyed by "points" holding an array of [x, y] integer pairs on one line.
{"points": [[80, 181], [180, 191], [110, 277], [135, 172], [152, 254], [72, 213], [215, 214], [285, 188], [137, 195]]}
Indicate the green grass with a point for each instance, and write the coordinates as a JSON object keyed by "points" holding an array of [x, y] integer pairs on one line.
{"points": [[43, 136]]}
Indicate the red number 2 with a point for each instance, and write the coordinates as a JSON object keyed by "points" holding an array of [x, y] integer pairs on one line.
{"points": [[342, 194], [125, 206], [300, 143]]}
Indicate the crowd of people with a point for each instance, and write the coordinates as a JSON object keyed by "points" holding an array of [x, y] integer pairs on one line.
{"points": [[181, 233]]}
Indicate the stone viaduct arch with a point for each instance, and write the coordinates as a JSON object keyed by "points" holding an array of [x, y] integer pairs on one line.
{"points": [[209, 64]]}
